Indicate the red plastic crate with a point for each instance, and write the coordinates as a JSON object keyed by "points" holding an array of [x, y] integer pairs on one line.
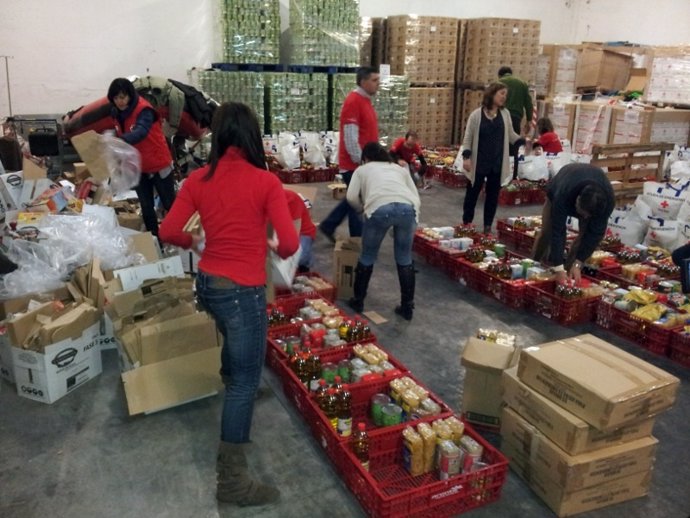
{"points": [[453, 179], [422, 246], [541, 299], [329, 293], [680, 347], [506, 233], [293, 176], [510, 292], [653, 337], [387, 490]]}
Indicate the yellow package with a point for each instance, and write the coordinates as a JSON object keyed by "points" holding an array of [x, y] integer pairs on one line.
{"points": [[457, 428], [651, 312], [413, 454], [429, 438]]}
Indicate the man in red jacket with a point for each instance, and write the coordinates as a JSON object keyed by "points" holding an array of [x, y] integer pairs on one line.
{"points": [[138, 124], [407, 150], [358, 127], [299, 209]]}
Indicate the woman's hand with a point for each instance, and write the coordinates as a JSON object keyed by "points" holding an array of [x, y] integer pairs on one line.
{"points": [[198, 243], [575, 272], [273, 243], [467, 164]]}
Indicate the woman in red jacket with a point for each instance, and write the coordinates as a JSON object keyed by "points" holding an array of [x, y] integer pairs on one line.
{"points": [[138, 124], [235, 197]]}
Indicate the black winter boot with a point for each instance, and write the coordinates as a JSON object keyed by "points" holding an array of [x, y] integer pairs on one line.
{"points": [[407, 283], [362, 277], [235, 486]]}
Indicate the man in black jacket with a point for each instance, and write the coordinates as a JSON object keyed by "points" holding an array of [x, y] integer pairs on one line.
{"points": [[582, 191]]}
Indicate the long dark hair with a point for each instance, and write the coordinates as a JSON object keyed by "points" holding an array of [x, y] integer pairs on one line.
{"points": [[488, 99], [235, 124]]}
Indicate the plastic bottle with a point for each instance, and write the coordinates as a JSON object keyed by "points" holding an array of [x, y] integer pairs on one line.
{"points": [[345, 412], [366, 330], [330, 407], [360, 445], [314, 368], [321, 392]]}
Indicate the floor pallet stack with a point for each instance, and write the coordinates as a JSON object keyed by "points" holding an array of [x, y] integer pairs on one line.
{"points": [[424, 48], [386, 489]]}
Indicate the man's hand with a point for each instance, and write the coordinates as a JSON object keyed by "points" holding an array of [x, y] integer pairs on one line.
{"points": [[467, 164], [575, 272]]}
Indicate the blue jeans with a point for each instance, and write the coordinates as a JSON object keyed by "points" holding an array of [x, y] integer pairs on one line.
{"points": [[400, 216], [342, 210], [306, 258], [240, 314]]}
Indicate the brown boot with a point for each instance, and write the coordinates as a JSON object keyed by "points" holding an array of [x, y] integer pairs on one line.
{"points": [[234, 483]]}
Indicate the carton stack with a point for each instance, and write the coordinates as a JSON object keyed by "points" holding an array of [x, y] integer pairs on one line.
{"points": [[592, 126], [468, 100], [324, 33], [296, 102], [251, 31], [372, 41], [494, 42], [602, 69], [562, 114], [424, 48], [244, 87], [556, 68], [668, 76], [649, 125], [578, 422]]}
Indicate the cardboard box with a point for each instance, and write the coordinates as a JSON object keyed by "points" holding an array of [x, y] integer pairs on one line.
{"points": [[345, 257], [570, 503], [484, 363], [132, 277], [599, 68], [574, 472], [568, 431], [61, 367], [11, 185], [6, 363], [597, 381], [338, 190]]}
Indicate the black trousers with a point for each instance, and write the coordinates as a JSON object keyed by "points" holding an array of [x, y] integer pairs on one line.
{"points": [[493, 189], [514, 148], [165, 187]]}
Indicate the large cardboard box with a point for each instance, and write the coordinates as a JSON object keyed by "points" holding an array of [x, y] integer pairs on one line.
{"points": [[597, 381], [565, 429], [345, 257], [599, 68], [565, 503], [61, 367], [6, 363], [484, 363], [574, 472]]}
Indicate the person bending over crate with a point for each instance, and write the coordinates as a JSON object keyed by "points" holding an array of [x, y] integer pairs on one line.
{"points": [[582, 191]]}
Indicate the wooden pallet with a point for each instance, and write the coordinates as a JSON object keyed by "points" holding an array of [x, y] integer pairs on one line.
{"points": [[631, 165]]}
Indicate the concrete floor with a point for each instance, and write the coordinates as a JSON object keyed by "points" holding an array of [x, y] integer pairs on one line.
{"points": [[83, 456]]}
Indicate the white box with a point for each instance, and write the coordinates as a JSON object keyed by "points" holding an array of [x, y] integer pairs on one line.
{"points": [[10, 191], [134, 276], [61, 368]]}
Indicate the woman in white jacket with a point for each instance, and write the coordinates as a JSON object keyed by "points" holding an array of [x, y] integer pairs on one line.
{"points": [[485, 151]]}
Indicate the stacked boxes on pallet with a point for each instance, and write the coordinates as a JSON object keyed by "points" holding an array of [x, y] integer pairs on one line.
{"points": [[372, 34], [556, 68], [296, 102], [324, 33], [636, 126], [578, 422], [424, 48], [244, 87], [602, 69], [251, 31], [668, 76]]}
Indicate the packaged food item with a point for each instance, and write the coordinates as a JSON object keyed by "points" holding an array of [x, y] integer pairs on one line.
{"points": [[472, 453], [413, 451], [378, 401], [449, 459], [443, 433], [429, 438], [410, 403], [457, 428]]}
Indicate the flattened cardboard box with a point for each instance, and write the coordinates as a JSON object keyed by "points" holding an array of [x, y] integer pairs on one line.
{"points": [[484, 363], [574, 472], [571, 503], [60, 369], [565, 429], [596, 381]]}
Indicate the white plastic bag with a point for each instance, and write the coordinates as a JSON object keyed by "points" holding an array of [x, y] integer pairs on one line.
{"points": [[329, 144], [665, 199], [630, 225], [680, 171], [288, 151], [312, 150], [663, 233], [534, 168], [124, 163], [283, 270]]}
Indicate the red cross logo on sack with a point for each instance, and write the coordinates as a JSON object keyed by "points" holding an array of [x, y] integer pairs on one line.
{"points": [[653, 234], [664, 204]]}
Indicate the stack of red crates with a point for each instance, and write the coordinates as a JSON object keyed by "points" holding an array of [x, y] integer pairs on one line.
{"points": [[387, 490]]}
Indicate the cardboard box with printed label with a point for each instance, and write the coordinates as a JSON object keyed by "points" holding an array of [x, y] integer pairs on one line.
{"points": [[565, 503], [345, 257], [484, 363], [568, 431], [60, 368], [596, 381], [574, 472]]}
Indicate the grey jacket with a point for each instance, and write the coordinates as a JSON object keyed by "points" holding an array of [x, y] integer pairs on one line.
{"points": [[471, 141]]}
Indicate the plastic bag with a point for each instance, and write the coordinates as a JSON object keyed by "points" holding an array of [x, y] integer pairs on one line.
{"points": [[534, 168], [665, 199], [329, 144], [288, 151], [124, 164], [312, 150], [283, 270], [662, 233]]}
